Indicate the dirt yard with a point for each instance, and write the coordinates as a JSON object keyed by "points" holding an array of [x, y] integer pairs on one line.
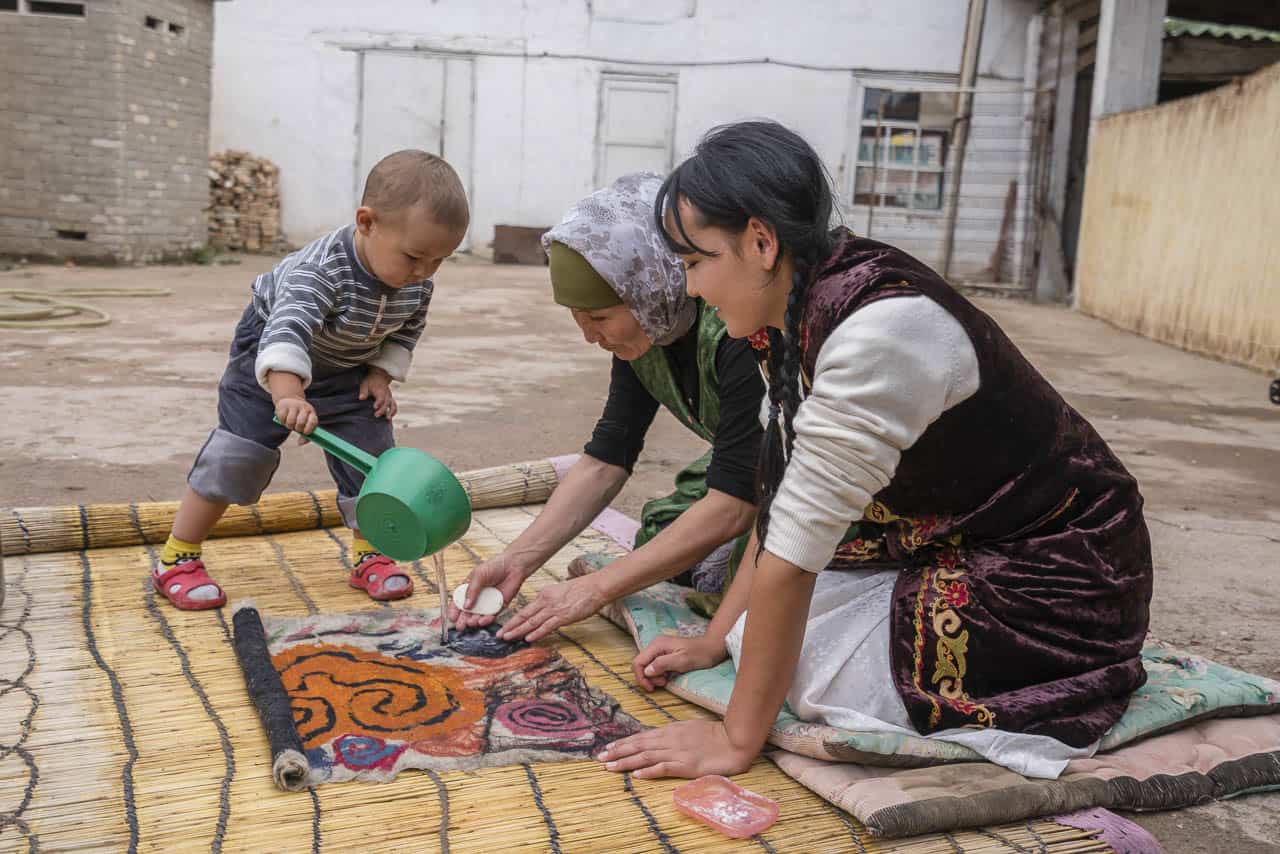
{"points": [[116, 414]]}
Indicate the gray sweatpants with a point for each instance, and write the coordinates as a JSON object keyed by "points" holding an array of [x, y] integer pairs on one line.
{"points": [[241, 455]]}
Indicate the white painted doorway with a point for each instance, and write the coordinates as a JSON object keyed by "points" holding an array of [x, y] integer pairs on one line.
{"points": [[415, 100], [636, 127]]}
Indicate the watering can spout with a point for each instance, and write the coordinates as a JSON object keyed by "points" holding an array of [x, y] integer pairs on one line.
{"points": [[410, 506]]}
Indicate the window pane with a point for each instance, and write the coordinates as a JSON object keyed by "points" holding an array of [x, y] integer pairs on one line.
{"points": [[937, 110], [8, 5], [892, 189], [902, 147], [903, 106], [867, 145], [928, 191], [56, 7], [871, 103], [862, 186], [897, 144], [895, 188], [933, 149]]}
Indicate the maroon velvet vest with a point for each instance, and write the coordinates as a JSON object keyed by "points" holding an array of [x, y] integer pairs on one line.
{"points": [[1025, 601]]}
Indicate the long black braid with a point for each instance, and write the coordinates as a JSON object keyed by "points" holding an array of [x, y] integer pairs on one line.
{"points": [[785, 378], [764, 171]]}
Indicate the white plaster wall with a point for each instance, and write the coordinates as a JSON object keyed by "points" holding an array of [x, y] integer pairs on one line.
{"points": [[293, 101], [285, 88], [813, 103]]}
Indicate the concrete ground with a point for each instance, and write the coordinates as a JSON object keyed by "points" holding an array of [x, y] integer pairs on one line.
{"points": [[116, 414]]}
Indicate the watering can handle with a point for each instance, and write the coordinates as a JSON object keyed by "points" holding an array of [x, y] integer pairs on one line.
{"points": [[343, 450]]}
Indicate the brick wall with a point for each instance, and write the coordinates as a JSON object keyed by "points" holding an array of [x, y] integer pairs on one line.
{"points": [[104, 130]]}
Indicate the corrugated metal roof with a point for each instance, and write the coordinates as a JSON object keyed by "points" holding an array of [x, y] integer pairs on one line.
{"points": [[1178, 27]]}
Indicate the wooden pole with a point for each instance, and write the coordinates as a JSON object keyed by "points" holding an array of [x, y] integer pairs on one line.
{"points": [[964, 115], [875, 164]]}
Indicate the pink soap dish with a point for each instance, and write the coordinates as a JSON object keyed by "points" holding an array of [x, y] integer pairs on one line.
{"points": [[724, 805]]}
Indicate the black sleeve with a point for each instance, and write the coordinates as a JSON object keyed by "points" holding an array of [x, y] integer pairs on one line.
{"points": [[619, 434], [737, 444]]}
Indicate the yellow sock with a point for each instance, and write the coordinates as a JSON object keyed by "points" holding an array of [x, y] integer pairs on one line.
{"points": [[176, 550], [362, 548]]}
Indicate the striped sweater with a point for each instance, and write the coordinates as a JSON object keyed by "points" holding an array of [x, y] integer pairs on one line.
{"points": [[321, 306]]}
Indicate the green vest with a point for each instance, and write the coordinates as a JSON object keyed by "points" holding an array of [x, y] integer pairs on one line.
{"points": [[654, 371]]}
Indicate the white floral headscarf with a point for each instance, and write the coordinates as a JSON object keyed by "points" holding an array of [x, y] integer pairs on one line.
{"points": [[614, 230]]}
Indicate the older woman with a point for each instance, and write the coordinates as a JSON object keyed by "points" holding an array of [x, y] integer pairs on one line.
{"points": [[610, 267]]}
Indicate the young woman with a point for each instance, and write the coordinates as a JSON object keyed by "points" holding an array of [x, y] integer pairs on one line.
{"points": [[971, 557]]}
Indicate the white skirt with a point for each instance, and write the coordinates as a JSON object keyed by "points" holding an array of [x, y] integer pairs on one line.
{"points": [[844, 678]]}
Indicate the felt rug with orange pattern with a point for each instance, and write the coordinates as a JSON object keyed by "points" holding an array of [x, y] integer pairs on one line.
{"points": [[369, 695]]}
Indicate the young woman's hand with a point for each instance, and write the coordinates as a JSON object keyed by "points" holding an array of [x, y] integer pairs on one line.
{"points": [[682, 749], [667, 656]]}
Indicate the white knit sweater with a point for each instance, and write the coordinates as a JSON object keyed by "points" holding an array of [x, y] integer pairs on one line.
{"points": [[886, 373]]}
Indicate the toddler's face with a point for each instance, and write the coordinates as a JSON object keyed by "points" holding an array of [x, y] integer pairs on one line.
{"points": [[405, 246]]}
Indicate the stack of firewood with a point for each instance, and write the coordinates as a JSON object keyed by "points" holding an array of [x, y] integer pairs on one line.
{"points": [[244, 203]]}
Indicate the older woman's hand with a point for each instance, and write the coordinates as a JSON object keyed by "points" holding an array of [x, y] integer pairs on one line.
{"points": [[553, 607], [501, 572]]}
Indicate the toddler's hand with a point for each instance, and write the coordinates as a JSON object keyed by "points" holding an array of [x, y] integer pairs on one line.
{"points": [[296, 414], [377, 384]]}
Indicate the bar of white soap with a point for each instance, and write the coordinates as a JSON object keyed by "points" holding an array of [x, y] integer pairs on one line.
{"points": [[489, 601]]}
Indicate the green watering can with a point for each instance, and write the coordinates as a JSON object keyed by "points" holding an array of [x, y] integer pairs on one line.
{"points": [[410, 506]]}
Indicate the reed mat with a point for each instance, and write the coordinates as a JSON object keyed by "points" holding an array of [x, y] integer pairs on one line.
{"points": [[125, 724]]}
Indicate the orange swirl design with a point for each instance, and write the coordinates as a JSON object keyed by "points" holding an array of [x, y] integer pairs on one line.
{"points": [[341, 690]]}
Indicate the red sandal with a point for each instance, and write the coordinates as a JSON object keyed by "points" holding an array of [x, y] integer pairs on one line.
{"points": [[176, 582], [374, 572]]}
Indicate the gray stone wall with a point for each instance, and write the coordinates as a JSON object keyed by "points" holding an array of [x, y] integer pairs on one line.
{"points": [[104, 126]]}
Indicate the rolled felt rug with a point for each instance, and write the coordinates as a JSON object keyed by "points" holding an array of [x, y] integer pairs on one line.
{"points": [[289, 766]]}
